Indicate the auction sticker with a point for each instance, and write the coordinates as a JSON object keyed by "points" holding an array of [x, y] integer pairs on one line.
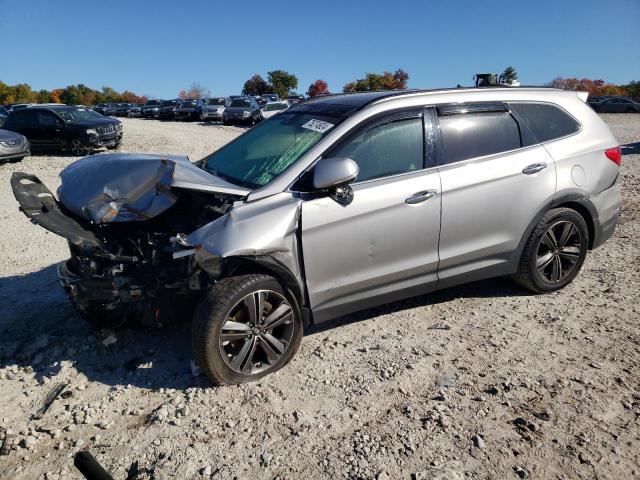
{"points": [[317, 125]]}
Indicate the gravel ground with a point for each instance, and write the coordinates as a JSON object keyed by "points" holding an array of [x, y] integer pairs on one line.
{"points": [[480, 381]]}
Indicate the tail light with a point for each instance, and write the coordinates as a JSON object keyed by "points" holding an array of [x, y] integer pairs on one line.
{"points": [[614, 154]]}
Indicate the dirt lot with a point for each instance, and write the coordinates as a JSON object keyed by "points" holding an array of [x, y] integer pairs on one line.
{"points": [[480, 381]]}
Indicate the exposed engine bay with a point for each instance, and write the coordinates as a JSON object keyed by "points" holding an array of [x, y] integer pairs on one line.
{"points": [[138, 268]]}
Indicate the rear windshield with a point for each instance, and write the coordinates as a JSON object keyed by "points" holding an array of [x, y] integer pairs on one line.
{"points": [[274, 106], [240, 102]]}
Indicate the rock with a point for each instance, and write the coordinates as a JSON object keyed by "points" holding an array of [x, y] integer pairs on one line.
{"points": [[266, 458], [447, 381], [30, 442], [382, 476], [478, 441], [440, 326], [595, 365], [206, 471], [521, 472], [475, 452], [492, 390]]}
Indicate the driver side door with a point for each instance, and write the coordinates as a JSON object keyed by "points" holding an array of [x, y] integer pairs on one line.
{"points": [[383, 246]]}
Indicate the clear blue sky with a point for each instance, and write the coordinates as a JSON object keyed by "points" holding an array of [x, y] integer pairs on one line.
{"points": [[158, 47]]}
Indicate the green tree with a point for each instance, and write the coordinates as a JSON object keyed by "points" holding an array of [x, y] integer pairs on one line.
{"points": [[281, 82], [509, 75], [374, 82], [44, 96], [256, 85]]}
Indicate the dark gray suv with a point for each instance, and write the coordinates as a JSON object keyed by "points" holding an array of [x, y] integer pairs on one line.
{"points": [[244, 110]]}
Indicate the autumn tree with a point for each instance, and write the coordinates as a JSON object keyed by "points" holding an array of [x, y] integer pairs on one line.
{"points": [[319, 87], [375, 82], [196, 90], [256, 85], [596, 88], [281, 82]]}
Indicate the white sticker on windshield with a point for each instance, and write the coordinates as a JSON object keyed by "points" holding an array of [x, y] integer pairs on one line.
{"points": [[317, 125]]}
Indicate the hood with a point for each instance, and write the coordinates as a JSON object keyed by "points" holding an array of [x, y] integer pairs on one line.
{"points": [[95, 122], [9, 135], [108, 188]]}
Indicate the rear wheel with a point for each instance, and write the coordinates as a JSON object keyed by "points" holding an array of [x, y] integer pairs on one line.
{"points": [[244, 328], [630, 110], [555, 251]]}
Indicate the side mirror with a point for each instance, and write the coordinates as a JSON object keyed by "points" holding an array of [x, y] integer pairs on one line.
{"points": [[336, 174]]}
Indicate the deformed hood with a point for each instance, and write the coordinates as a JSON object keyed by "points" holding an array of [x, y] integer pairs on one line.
{"points": [[130, 187]]}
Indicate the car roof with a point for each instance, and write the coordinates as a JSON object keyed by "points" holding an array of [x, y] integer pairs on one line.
{"points": [[348, 103]]}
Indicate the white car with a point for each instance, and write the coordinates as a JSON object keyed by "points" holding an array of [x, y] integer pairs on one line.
{"points": [[273, 108]]}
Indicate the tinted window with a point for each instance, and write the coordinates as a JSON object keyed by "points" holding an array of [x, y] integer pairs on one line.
{"points": [[546, 121], [238, 102], [388, 149], [24, 118], [47, 118], [469, 135]]}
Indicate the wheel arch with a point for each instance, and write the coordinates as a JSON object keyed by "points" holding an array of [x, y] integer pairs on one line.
{"points": [[266, 264], [578, 202]]}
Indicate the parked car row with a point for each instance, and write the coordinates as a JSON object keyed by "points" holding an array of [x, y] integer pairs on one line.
{"points": [[240, 108], [613, 104]]}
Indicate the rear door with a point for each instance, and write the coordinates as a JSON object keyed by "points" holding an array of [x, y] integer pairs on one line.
{"points": [[491, 187], [50, 129], [383, 245]]}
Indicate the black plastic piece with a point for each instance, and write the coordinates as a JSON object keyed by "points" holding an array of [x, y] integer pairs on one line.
{"points": [[89, 467], [42, 208]]}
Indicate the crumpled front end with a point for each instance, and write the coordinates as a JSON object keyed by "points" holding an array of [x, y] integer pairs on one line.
{"points": [[126, 219]]}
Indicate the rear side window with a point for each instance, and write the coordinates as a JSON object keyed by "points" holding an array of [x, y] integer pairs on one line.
{"points": [[24, 118], [475, 134], [47, 118], [546, 122]]}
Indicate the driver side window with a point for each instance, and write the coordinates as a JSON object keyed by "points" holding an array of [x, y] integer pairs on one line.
{"points": [[47, 119], [386, 149]]}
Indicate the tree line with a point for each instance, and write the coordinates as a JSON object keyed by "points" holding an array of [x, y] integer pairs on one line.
{"points": [[281, 82], [71, 95]]}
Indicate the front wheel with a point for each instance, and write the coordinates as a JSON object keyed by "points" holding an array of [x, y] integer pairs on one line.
{"points": [[554, 252], [244, 328], [78, 147]]}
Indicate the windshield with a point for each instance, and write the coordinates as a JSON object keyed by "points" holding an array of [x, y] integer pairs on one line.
{"points": [[187, 104], [239, 102], [269, 107], [71, 115], [216, 101], [168, 103], [266, 151]]}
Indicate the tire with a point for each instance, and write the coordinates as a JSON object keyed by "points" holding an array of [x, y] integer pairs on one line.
{"points": [[225, 123], [550, 261], [630, 110], [115, 147], [244, 356], [78, 147]]}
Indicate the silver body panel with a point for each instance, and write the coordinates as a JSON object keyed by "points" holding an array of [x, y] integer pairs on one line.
{"points": [[380, 247]]}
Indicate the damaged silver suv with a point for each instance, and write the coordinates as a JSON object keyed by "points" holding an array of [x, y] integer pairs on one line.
{"points": [[338, 204]]}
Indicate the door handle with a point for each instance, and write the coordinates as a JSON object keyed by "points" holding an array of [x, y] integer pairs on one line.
{"points": [[534, 168], [420, 197]]}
